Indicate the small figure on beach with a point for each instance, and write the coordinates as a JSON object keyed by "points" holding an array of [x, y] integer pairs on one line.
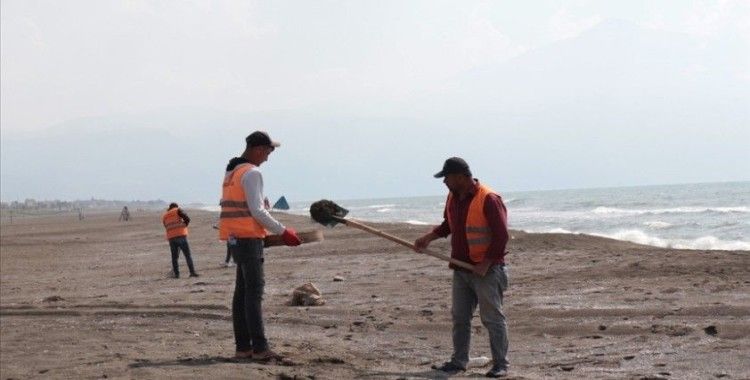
{"points": [[476, 219], [124, 214], [266, 203], [228, 262], [176, 223], [243, 223]]}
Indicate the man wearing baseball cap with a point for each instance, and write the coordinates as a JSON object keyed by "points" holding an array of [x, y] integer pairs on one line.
{"points": [[477, 221], [243, 224]]}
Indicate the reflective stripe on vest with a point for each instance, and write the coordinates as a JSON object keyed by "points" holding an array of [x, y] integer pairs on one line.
{"points": [[174, 224], [235, 218], [478, 234]]}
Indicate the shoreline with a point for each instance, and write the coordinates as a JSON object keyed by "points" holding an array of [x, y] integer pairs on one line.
{"points": [[638, 239]]}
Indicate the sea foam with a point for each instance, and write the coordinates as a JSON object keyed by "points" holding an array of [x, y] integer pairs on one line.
{"points": [[640, 237], [705, 242], [381, 206], [657, 224], [673, 210], [210, 208]]}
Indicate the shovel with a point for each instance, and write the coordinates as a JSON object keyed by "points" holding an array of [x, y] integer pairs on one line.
{"points": [[276, 240], [329, 214], [304, 236]]}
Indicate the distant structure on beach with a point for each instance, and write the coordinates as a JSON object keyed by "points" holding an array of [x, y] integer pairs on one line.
{"points": [[125, 214], [12, 211], [31, 205], [281, 204]]}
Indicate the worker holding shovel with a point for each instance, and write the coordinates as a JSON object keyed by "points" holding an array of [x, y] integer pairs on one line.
{"points": [[476, 219], [243, 223]]}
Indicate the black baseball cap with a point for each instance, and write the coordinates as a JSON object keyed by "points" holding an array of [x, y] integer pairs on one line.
{"points": [[454, 165], [260, 138]]}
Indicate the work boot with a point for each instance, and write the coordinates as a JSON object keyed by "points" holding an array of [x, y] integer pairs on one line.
{"points": [[266, 355], [243, 354], [449, 368], [194, 275]]}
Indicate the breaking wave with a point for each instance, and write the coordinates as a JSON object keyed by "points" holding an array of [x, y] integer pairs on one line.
{"points": [[657, 224], [640, 237], [380, 206], [705, 242], [674, 210], [560, 231]]}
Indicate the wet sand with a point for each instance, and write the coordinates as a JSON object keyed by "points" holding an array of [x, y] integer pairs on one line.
{"points": [[92, 299]]}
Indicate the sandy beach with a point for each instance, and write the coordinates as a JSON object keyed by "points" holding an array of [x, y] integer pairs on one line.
{"points": [[92, 299]]}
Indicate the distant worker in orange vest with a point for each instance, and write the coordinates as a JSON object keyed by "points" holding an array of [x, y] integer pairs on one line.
{"points": [[477, 221], [243, 224], [176, 222]]}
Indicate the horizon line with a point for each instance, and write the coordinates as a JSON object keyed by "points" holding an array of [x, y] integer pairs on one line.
{"points": [[407, 196]]}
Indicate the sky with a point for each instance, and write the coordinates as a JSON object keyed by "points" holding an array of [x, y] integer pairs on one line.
{"points": [[662, 85]]}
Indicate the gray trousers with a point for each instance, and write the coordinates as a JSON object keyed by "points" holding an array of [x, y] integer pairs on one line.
{"points": [[470, 290]]}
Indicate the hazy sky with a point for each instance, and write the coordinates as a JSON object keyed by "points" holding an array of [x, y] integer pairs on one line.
{"points": [[63, 61]]}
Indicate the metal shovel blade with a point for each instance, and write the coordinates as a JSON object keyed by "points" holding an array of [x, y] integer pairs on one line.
{"points": [[327, 212]]}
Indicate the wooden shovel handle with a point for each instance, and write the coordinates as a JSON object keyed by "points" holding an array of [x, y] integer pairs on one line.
{"points": [[403, 242]]}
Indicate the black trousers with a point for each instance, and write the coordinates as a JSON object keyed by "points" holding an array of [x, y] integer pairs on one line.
{"points": [[229, 254], [247, 311], [175, 245]]}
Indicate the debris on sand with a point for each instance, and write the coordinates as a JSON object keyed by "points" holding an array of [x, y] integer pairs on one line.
{"points": [[53, 299], [307, 295], [328, 359], [711, 330], [479, 361]]}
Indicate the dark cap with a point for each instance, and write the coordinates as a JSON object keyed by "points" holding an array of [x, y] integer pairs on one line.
{"points": [[454, 165], [173, 205], [260, 138]]}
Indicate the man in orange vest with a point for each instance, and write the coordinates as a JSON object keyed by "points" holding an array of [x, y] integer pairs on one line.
{"points": [[243, 223], [175, 222], [476, 219]]}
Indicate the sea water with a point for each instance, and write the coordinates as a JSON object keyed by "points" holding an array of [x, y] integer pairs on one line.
{"points": [[713, 216]]}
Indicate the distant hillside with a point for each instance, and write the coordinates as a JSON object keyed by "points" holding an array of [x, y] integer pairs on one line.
{"points": [[618, 105]]}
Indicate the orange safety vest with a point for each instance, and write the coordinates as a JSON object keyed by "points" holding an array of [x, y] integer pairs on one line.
{"points": [[235, 218], [174, 224], [478, 233]]}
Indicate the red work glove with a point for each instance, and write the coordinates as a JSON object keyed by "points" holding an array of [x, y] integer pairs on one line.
{"points": [[290, 237]]}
